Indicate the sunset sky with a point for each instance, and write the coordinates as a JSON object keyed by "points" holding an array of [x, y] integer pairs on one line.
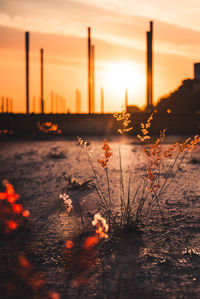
{"points": [[118, 30]]}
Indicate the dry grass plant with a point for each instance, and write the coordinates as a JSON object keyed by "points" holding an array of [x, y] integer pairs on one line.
{"points": [[139, 203]]}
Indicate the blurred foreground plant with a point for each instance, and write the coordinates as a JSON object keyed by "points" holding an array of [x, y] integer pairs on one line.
{"points": [[12, 213], [81, 254]]}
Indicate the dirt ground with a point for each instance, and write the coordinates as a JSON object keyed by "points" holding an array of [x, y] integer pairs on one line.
{"points": [[160, 260]]}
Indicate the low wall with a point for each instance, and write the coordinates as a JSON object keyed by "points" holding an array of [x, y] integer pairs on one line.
{"points": [[22, 125]]}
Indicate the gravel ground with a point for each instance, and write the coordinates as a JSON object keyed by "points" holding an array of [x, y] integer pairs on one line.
{"points": [[160, 260]]}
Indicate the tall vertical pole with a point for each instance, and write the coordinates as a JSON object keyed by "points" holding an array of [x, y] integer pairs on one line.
{"points": [[2, 105], [126, 99], [89, 71], [63, 105], [92, 80], [150, 67], [148, 76], [77, 100], [56, 103], [60, 104], [6, 105], [11, 105], [151, 64], [52, 102], [102, 101], [34, 104], [27, 70], [42, 80]]}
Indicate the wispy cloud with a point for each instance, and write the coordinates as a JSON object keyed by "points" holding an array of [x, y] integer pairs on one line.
{"points": [[118, 22]]}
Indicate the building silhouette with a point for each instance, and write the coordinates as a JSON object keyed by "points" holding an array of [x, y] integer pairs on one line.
{"points": [[197, 70]]}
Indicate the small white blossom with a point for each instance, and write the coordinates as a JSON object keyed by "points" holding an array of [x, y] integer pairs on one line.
{"points": [[67, 201], [102, 226]]}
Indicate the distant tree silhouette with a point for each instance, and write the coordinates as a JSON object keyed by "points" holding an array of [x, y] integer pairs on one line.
{"points": [[185, 99]]}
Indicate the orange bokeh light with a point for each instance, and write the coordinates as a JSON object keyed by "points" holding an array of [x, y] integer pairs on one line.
{"points": [[25, 213], [90, 242], [12, 224], [17, 208], [69, 244], [24, 262]]}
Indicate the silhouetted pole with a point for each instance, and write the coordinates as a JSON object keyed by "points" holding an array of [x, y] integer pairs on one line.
{"points": [[126, 99], [56, 103], [102, 101], [60, 104], [150, 67], [39, 105], [27, 70], [6, 105], [78, 101], [10, 105], [147, 76], [79, 97], [89, 71], [65, 104], [2, 105], [34, 104], [151, 63], [42, 79], [52, 95], [92, 79]]}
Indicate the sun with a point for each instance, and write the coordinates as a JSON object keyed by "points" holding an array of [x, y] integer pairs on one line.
{"points": [[120, 76]]}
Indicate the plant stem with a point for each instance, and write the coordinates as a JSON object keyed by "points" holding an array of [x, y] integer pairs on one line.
{"points": [[121, 172], [98, 187], [109, 202], [129, 186], [108, 183]]}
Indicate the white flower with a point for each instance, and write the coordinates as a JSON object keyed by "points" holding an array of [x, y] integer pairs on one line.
{"points": [[67, 201], [102, 226]]}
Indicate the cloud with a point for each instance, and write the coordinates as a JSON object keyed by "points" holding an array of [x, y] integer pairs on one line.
{"points": [[111, 21]]}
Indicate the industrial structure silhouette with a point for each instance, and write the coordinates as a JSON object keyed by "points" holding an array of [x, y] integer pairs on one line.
{"points": [[91, 80], [58, 102]]}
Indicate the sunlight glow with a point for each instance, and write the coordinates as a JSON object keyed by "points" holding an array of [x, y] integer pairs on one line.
{"points": [[122, 75]]}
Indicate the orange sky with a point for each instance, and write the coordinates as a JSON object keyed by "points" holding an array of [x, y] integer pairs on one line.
{"points": [[118, 33]]}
